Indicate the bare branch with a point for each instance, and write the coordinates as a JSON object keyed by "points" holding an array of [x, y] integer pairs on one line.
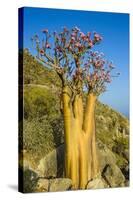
{"points": [[47, 63], [50, 59]]}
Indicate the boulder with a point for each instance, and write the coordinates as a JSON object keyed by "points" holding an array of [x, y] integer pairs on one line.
{"points": [[60, 184], [126, 154], [51, 167], [52, 164], [53, 185], [97, 183], [42, 185], [106, 156], [111, 173], [125, 172], [113, 176]]}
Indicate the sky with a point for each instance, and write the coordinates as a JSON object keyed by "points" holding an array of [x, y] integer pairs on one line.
{"points": [[114, 28]]}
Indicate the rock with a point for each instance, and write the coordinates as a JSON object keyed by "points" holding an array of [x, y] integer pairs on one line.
{"points": [[60, 184], [127, 183], [42, 185], [106, 156], [125, 172], [126, 154], [52, 164], [111, 173], [53, 185], [113, 176], [101, 118], [97, 183], [30, 178], [26, 164], [51, 167]]}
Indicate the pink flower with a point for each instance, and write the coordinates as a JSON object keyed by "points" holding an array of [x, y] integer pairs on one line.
{"points": [[42, 52], [48, 46], [111, 66], [88, 34], [45, 31], [70, 48], [102, 73], [72, 39], [95, 77], [65, 30], [107, 78], [86, 39], [77, 44], [66, 46], [92, 53], [58, 48], [90, 43], [97, 37], [73, 34], [98, 64], [82, 35]]}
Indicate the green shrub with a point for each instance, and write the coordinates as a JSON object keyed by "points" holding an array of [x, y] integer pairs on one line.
{"points": [[38, 137], [39, 101]]}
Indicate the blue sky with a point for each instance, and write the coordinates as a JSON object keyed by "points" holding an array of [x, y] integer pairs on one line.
{"points": [[114, 27]]}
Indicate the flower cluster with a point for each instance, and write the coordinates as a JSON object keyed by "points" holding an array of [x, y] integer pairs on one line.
{"points": [[75, 41], [78, 75], [70, 53], [98, 72]]}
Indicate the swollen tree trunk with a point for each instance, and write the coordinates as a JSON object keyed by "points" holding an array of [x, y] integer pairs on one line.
{"points": [[81, 162]]}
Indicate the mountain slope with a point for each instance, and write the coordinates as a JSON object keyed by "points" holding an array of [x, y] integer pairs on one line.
{"points": [[43, 123]]}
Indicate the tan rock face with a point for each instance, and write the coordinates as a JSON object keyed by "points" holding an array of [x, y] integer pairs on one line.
{"points": [[106, 156], [97, 183], [113, 176], [52, 164], [42, 185], [53, 185], [60, 184], [110, 172]]}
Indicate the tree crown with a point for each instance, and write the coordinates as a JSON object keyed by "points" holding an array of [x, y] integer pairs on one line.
{"points": [[70, 54]]}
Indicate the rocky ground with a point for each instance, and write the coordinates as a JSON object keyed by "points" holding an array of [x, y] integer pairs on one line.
{"points": [[49, 174]]}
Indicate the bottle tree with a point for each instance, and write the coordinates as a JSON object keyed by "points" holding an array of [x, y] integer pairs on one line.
{"points": [[84, 74]]}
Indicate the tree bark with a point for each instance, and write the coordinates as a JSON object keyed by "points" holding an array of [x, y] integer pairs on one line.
{"points": [[81, 162]]}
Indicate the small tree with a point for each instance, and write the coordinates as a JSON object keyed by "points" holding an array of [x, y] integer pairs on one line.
{"points": [[83, 73]]}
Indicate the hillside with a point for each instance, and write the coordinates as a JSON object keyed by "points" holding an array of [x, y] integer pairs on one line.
{"points": [[43, 126]]}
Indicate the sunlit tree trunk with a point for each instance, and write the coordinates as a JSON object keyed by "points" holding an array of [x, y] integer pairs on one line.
{"points": [[81, 162]]}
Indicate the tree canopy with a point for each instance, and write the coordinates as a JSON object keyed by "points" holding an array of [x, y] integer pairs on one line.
{"points": [[70, 53]]}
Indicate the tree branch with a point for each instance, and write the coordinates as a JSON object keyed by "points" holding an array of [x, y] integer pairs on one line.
{"points": [[45, 62], [50, 59], [89, 113]]}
